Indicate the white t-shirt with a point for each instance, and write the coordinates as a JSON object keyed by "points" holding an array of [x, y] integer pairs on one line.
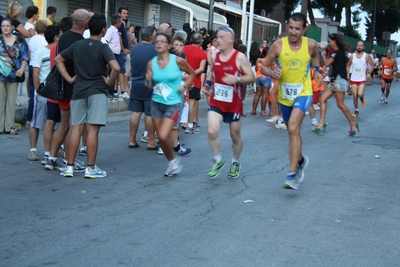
{"points": [[112, 38], [86, 35], [36, 42], [27, 27], [42, 61]]}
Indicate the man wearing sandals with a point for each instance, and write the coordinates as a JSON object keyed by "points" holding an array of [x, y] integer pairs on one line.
{"points": [[295, 53]]}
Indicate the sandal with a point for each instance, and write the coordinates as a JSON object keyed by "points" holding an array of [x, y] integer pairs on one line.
{"points": [[321, 125], [12, 132]]}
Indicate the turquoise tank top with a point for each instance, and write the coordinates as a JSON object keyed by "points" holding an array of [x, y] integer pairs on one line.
{"points": [[166, 82]]}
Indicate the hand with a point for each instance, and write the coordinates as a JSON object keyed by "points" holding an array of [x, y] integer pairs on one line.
{"points": [[318, 77], [71, 80], [19, 73], [229, 79], [323, 53], [278, 72], [125, 51], [106, 80], [206, 90], [181, 89]]}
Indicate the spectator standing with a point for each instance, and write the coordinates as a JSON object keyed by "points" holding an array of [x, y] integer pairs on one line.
{"points": [[51, 13], [123, 79], [8, 86], [89, 104], [32, 15], [14, 11]]}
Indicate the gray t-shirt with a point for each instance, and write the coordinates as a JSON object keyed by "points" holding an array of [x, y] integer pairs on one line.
{"points": [[90, 58]]}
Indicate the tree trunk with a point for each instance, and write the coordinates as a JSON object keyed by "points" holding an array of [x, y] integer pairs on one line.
{"points": [[338, 13], [348, 16], [304, 4], [311, 13]]}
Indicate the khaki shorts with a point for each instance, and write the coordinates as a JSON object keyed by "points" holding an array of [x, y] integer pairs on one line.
{"points": [[92, 110]]}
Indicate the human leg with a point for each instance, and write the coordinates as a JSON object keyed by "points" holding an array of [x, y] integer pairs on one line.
{"points": [[214, 120], [323, 108], [264, 100], [344, 109], [256, 99], [133, 127], [11, 98]]}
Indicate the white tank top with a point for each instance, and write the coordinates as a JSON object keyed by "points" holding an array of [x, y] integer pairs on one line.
{"points": [[358, 68]]}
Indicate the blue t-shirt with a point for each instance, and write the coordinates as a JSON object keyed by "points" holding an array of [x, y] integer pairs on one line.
{"points": [[169, 77], [141, 54]]}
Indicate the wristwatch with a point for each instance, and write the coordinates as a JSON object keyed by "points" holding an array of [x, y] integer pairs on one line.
{"points": [[240, 79]]}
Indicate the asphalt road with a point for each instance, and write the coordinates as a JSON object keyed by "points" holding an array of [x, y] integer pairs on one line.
{"points": [[345, 213]]}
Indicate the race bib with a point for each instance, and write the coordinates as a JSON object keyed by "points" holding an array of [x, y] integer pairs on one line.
{"points": [[223, 93], [358, 70], [291, 91], [387, 71], [163, 90]]}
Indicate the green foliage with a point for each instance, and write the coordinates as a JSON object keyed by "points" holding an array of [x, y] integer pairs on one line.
{"points": [[350, 32], [290, 6], [268, 5]]}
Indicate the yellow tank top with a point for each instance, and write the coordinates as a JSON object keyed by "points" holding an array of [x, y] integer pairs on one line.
{"points": [[295, 79]]}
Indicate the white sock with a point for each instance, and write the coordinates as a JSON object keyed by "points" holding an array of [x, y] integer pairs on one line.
{"points": [[280, 120], [33, 149], [145, 133], [190, 125], [218, 158], [47, 153], [314, 121], [53, 158], [235, 160]]}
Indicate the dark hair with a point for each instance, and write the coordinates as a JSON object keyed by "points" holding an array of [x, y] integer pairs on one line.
{"points": [[51, 10], [299, 17], [254, 53], [115, 19], [341, 44], [97, 23], [122, 8], [242, 48], [147, 33], [51, 32], [264, 52], [236, 43], [165, 35], [66, 24], [31, 11], [197, 38]]}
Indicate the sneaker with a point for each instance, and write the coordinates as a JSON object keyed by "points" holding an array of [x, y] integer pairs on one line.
{"points": [[386, 100], [94, 173], [193, 130], [301, 168], [67, 171], [124, 95], [363, 102], [234, 171], [52, 165], [307, 113], [355, 114], [291, 181], [174, 167], [33, 156], [382, 97], [160, 152], [216, 168], [60, 153], [281, 125], [272, 120], [183, 151], [144, 139], [82, 151], [45, 160], [317, 107], [79, 166]]}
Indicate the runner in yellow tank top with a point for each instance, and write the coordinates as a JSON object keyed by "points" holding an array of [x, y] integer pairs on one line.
{"points": [[295, 53]]}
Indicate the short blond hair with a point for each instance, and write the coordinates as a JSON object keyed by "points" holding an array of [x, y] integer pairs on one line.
{"points": [[40, 26], [14, 10]]}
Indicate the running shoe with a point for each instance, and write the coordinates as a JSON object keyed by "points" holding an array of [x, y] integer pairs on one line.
{"points": [[124, 95], [273, 120], [82, 151], [291, 181], [33, 156], [67, 171], [45, 160], [144, 139], [382, 97], [355, 114], [216, 168], [183, 151], [193, 130], [281, 125], [93, 173], [363, 102], [317, 107], [79, 166], [174, 167], [52, 165], [234, 170], [160, 151], [301, 168], [60, 152], [386, 100]]}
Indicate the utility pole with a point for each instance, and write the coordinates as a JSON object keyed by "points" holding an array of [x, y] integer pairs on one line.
{"points": [[373, 27], [211, 15]]}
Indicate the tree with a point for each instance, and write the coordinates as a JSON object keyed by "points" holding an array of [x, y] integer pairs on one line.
{"points": [[290, 5], [267, 5]]}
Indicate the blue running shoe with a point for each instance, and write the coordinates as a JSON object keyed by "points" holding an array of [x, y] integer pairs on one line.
{"points": [[301, 168], [183, 151], [82, 151], [291, 181]]}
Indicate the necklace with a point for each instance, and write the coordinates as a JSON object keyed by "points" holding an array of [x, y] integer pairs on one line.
{"points": [[295, 45]]}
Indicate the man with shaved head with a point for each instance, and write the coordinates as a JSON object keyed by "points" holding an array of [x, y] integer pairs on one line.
{"points": [[80, 19], [165, 28], [229, 71], [360, 73]]}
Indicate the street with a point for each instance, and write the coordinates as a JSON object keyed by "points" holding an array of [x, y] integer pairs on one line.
{"points": [[345, 213]]}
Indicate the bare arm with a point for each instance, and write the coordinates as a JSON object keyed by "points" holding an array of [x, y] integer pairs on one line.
{"points": [[60, 63], [36, 81], [273, 54], [23, 31], [200, 70], [184, 66], [348, 65], [114, 72], [244, 66], [313, 48], [32, 32]]}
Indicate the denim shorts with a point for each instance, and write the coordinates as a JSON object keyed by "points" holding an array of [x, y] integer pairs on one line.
{"points": [[263, 81], [338, 85], [162, 111]]}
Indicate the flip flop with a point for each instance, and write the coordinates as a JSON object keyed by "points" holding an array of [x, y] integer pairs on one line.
{"points": [[152, 148], [134, 146], [12, 132]]}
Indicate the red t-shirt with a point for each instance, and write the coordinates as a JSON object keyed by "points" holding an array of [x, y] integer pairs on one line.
{"points": [[227, 98], [194, 56]]}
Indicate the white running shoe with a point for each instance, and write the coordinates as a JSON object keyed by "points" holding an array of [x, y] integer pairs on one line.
{"points": [[272, 120], [94, 173], [174, 167], [316, 107], [281, 125], [160, 152]]}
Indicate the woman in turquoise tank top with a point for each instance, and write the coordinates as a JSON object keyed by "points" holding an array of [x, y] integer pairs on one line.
{"points": [[164, 71]]}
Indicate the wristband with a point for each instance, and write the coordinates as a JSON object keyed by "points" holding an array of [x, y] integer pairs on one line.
{"points": [[208, 82], [316, 68]]}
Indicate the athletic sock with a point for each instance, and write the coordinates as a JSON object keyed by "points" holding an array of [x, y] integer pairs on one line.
{"points": [[235, 160], [218, 158], [47, 153], [33, 149], [314, 121]]}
